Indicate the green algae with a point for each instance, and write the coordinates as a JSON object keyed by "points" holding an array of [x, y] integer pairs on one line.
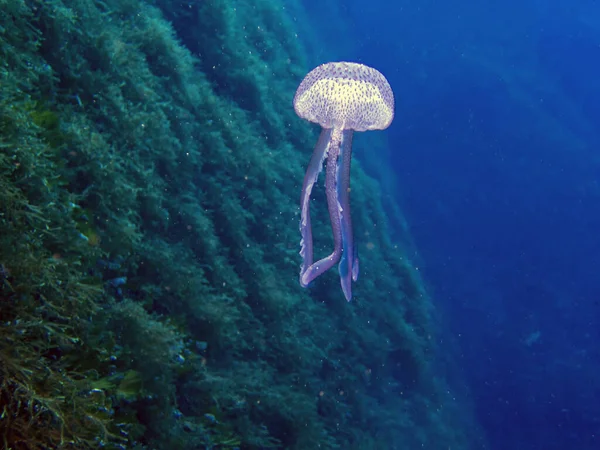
{"points": [[179, 155]]}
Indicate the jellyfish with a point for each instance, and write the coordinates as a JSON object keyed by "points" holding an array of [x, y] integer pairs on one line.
{"points": [[342, 97]]}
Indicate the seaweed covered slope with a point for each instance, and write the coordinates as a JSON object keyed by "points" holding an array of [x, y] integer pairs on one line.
{"points": [[149, 291]]}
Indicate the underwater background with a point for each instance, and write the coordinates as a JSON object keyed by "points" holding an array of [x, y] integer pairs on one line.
{"points": [[151, 164], [495, 161]]}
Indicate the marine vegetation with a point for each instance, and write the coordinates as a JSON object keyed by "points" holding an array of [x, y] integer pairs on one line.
{"points": [[150, 164]]}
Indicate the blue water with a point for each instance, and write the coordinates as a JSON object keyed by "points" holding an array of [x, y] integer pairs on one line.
{"points": [[495, 152]]}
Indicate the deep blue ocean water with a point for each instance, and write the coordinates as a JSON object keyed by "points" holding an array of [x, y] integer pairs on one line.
{"points": [[495, 154]]}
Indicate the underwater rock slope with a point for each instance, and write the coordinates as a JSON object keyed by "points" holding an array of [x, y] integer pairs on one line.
{"points": [[149, 181]]}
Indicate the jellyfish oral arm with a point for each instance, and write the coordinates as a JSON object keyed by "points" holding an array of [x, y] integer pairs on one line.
{"points": [[310, 178], [328, 146], [348, 267], [337, 147]]}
